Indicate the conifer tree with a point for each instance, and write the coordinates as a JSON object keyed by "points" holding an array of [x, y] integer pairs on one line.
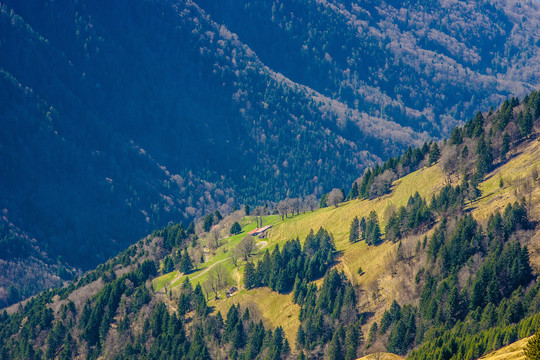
{"points": [[217, 216], [456, 137], [230, 324], [363, 228], [354, 234], [168, 265], [353, 194], [532, 350], [185, 264], [484, 161], [367, 179], [208, 222], [373, 231], [235, 228], [351, 342], [505, 145], [334, 349], [322, 202], [200, 302], [250, 280], [373, 330], [525, 124], [434, 154], [191, 228]]}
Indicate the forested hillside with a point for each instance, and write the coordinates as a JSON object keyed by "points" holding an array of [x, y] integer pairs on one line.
{"points": [[119, 117], [441, 263]]}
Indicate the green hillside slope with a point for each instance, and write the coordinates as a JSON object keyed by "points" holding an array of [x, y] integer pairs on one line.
{"points": [[452, 275]]}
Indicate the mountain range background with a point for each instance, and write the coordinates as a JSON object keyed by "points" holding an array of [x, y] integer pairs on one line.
{"points": [[118, 117]]}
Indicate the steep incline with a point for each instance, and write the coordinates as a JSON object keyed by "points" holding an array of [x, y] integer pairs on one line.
{"points": [[120, 117]]}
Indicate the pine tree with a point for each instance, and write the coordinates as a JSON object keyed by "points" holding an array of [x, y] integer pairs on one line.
{"points": [[434, 154], [367, 179], [484, 162], [300, 337], [373, 231], [532, 350], [424, 149], [198, 349], [334, 349], [475, 127], [363, 228], [276, 346], [200, 301], [372, 334], [217, 216], [351, 342], [191, 228], [238, 337], [250, 280], [525, 124], [168, 265], [505, 145], [354, 234], [208, 222], [235, 228], [353, 194], [185, 264], [456, 138], [322, 202], [230, 324]]}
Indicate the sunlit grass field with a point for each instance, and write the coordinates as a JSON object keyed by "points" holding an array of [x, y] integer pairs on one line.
{"points": [[276, 309]]}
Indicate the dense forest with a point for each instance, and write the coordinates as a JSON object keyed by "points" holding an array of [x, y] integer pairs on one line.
{"points": [[476, 289], [120, 118]]}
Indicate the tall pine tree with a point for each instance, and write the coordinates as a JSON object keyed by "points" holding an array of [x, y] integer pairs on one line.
{"points": [[354, 234]]}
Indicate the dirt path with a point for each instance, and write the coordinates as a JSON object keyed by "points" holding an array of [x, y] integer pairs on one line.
{"points": [[162, 294], [208, 268], [180, 274]]}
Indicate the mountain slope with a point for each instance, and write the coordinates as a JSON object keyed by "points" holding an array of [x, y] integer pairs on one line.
{"points": [[513, 351], [387, 275], [456, 273], [397, 56], [122, 117]]}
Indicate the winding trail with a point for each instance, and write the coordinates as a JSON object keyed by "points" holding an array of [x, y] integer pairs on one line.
{"points": [[208, 268], [162, 294], [180, 274]]}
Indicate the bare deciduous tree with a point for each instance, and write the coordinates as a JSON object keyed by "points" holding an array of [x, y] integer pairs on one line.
{"points": [[213, 238], [259, 212], [296, 205], [282, 208], [235, 255], [335, 197], [196, 255], [310, 202], [218, 279], [450, 161], [382, 183], [246, 247]]}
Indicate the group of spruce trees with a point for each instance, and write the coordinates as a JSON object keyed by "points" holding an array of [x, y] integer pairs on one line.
{"points": [[368, 230], [493, 297], [280, 269], [328, 315]]}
